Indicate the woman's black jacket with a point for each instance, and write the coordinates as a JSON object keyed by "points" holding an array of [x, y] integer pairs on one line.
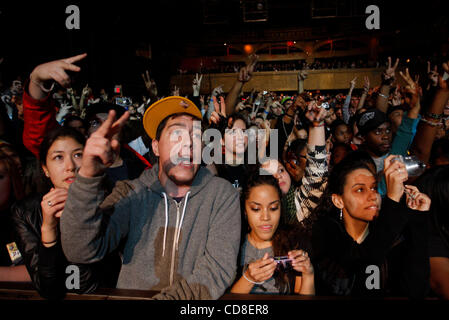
{"points": [[47, 266]]}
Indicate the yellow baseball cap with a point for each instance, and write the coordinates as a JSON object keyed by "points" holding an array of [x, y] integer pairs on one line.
{"points": [[164, 108]]}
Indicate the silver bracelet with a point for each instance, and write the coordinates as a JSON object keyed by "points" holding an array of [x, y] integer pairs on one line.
{"points": [[431, 123], [254, 282], [382, 95]]}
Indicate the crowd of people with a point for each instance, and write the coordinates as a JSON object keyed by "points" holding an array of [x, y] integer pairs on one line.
{"points": [[289, 65], [354, 204]]}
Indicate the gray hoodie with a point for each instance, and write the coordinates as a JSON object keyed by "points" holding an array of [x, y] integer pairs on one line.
{"points": [[187, 250]]}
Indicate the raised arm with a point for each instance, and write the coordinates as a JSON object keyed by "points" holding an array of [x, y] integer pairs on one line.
{"points": [[364, 93], [150, 85], [244, 76], [345, 109], [103, 223], [388, 78], [422, 144], [39, 110], [316, 171]]}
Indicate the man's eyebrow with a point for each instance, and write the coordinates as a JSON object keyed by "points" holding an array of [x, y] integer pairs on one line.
{"points": [[177, 124], [358, 184]]}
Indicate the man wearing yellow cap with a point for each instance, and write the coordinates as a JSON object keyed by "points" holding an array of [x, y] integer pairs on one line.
{"points": [[179, 225]]}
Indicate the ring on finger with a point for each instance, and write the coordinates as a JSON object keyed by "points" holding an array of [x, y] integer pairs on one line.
{"points": [[49, 203]]}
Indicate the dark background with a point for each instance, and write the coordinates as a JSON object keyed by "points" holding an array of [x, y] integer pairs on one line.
{"points": [[110, 32]]}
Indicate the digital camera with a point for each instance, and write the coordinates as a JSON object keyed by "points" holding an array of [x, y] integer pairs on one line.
{"points": [[413, 165]]}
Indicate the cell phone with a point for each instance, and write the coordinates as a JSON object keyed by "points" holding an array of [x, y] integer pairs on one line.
{"points": [[123, 101], [283, 262], [265, 92]]}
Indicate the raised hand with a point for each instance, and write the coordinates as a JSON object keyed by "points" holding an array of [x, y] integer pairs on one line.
{"points": [[219, 110], [416, 200], [102, 147], [412, 87], [366, 84], [56, 70], [246, 72], [315, 114], [352, 83], [150, 84], [85, 91], [52, 205], [388, 76], [395, 176], [302, 75], [217, 91], [197, 85], [253, 59]]}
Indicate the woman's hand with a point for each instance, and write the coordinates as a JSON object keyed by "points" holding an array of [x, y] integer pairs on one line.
{"points": [[395, 176], [417, 200], [52, 205], [261, 270], [301, 261]]}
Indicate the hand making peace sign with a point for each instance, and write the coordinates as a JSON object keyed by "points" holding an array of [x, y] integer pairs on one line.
{"points": [[102, 146]]}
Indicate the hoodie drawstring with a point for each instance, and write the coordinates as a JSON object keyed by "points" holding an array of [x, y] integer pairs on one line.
{"points": [[166, 222], [178, 232], [182, 218]]}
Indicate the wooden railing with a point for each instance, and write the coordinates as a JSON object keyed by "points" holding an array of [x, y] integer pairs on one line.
{"points": [[25, 291], [325, 79]]}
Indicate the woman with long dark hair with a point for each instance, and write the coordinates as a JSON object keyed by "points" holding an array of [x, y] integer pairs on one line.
{"points": [[362, 247], [261, 271], [36, 220]]}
